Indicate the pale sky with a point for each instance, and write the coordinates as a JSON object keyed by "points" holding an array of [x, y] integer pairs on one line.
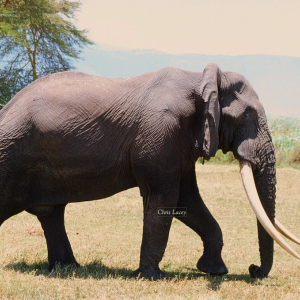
{"points": [[229, 27]]}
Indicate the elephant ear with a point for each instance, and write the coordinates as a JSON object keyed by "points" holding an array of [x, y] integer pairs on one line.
{"points": [[209, 91]]}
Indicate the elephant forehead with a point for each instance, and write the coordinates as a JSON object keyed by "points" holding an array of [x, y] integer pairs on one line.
{"points": [[241, 99]]}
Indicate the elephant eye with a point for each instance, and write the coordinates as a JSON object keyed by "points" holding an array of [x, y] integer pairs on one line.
{"points": [[246, 115]]}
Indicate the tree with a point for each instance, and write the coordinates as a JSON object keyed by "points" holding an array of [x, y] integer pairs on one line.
{"points": [[37, 38]]}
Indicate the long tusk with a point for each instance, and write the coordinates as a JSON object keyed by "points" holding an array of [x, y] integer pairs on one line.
{"points": [[285, 232], [250, 188]]}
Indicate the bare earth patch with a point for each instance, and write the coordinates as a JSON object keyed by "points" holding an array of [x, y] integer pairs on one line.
{"points": [[106, 237]]}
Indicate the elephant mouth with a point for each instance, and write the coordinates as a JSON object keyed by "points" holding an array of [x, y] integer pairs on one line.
{"points": [[252, 195]]}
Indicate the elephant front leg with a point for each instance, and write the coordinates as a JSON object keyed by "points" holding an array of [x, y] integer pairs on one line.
{"points": [[155, 237], [204, 224]]}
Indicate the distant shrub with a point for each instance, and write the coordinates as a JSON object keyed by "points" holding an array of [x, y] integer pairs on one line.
{"points": [[286, 138], [221, 158]]}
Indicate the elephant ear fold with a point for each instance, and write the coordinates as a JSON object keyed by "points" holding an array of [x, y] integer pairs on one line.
{"points": [[209, 91]]}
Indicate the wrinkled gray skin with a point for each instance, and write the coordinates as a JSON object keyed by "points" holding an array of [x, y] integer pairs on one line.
{"points": [[71, 137]]}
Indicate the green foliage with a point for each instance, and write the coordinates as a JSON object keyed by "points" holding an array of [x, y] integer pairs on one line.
{"points": [[37, 38], [221, 158], [286, 138]]}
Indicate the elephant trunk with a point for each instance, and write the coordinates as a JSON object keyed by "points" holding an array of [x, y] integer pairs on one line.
{"points": [[265, 181], [261, 194], [260, 189]]}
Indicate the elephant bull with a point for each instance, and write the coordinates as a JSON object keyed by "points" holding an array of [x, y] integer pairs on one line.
{"points": [[71, 137]]}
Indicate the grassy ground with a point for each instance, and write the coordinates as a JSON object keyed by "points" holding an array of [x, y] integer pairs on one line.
{"points": [[106, 237]]}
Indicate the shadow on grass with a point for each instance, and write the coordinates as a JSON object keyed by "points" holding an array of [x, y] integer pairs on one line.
{"points": [[215, 282], [97, 270]]}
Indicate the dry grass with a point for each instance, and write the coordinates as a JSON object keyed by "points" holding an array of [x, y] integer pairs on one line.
{"points": [[106, 237]]}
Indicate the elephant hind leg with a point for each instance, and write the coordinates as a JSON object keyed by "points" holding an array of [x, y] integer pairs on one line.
{"points": [[59, 248]]}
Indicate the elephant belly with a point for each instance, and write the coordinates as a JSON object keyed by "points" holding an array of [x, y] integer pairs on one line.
{"points": [[83, 183]]}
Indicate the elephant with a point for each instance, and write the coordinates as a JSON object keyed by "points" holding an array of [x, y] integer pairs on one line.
{"points": [[71, 137]]}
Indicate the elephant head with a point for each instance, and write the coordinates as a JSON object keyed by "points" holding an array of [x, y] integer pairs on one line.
{"points": [[235, 121]]}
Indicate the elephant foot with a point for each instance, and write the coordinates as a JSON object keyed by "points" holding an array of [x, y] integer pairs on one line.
{"points": [[151, 273], [257, 272], [211, 266]]}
